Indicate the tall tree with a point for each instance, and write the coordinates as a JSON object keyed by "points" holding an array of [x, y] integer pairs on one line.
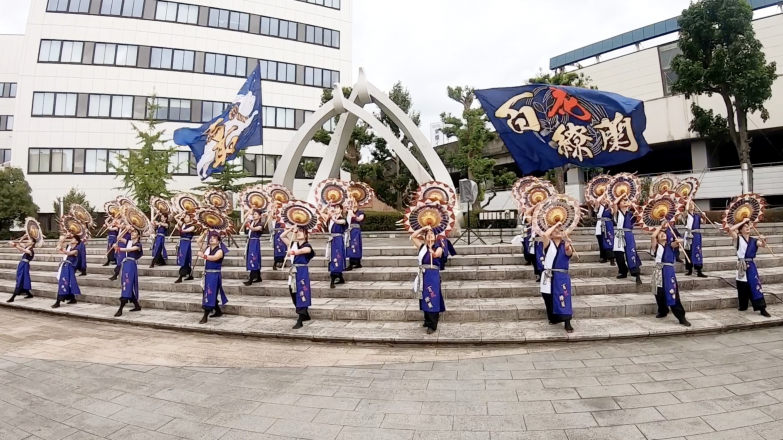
{"points": [[561, 78], [73, 196], [721, 55], [17, 200], [144, 172]]}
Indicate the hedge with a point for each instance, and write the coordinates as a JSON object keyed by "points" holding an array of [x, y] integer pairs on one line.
{"points": [[381, 221]]}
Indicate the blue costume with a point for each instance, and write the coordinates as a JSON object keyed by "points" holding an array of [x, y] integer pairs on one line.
{"points": [[748, 281], [120, 255], [81, 262], [23, 281], [185, 254], [129, 274], [448, 250], [159, 255], [279, 247], [604, 230], [299, 282], [664, 282], [693, 246], [336, 251], [68, 287], [253, 253], [111, 239], [213, 283], [429, 287], [625, 247], [354, 251], [556, 284]]}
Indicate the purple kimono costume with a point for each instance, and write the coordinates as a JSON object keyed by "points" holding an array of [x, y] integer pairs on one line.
{"points": [[628, 242], [23, 280], [111, 239], [559, 283], [607, 230], [68, 286], [354, 250], [299, 279], [278, 244], [184, 251], [129, 273], [81, 262], [213, 280], [693, 241], [336, 248], [668, 276], [428, 281], [253, 249], [159, 247]]}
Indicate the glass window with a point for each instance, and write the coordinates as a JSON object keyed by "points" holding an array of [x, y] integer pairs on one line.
{"points": [[327, 82], [160, 58], [9, 123], [220, 64], [108, 52], [319, 35], [244, 22], [180, 63], [213, 17], [270, 164], [291, 73], [317, 77], [12, 92], [223, 19], [99, 106], [231, 65], [241, 66], [274, 26], [336, 39], [50, 51], [116, 106], [271, 71], [280, 120], [126, 55], [292, 30], [209, 63], [95, 161], [132, 8], [162, 113], [327, 37], [265, 25], [666, 54], [179, 109], [289, 118], [57, 6], [310, 34], [62, 160], [283, 30], [308, 76], [233, 20]]}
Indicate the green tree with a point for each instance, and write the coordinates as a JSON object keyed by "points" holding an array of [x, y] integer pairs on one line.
{"points": [[74, 196], [720, 54], [561, 78], [17, 200], [144, 172], [229, 179]]}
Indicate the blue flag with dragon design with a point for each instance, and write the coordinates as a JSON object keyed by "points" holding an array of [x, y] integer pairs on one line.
{"points": [[545, 126], [222, 138]]}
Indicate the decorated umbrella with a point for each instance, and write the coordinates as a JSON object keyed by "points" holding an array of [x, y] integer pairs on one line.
{"points": [[219, 200], [299, 214], [162, 206], [331, 192], [749, 206], [597, 187], [212, 219], [625, 183], [361, 192], [132, 217], [434, 191], [112, 208], [278, 193], [430, 213], [33, 230], [69, 226], [79, 213], [124, 201], [537, 193], [184, 202], [663, 183], [664, 206], [518, 190], [254, 198], [556, 208], [687, 188]]}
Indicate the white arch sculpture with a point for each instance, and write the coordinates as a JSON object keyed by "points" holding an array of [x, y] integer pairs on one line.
{"points": [[352, 110]]}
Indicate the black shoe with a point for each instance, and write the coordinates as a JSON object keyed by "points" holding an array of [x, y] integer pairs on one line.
{"points": [[660, 316], [189, 278], [203, 320], [765, 313], [179, 280], [83, 274], [538, 278], [340, 280], [348, 268], [679, 260], [118, 314], [274, 266], [105, 264], [152, 266], [113, 278], [136, 309], [357, 266], [12, 299], [73, 301], [527, 263], [638, 280], [430, 331], [297, 326], [331, 285], [28, 296], [689, 273], [701, 275], [568, 328], [603, 261], [56, 305], [612, 263], [248, 283], [743, 310], [217, 314], [622, 276], [685, 322]]}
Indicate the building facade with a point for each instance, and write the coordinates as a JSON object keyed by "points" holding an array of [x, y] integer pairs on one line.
{"points": [[84, 71]]}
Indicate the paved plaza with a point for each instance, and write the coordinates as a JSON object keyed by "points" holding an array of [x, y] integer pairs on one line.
{"points": [[64, 378]]}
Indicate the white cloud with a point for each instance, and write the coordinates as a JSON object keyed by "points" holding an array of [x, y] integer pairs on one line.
{"points": [[13, 19]]}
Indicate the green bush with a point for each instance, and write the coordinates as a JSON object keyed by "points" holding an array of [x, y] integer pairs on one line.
{"points": [[381, 221]]}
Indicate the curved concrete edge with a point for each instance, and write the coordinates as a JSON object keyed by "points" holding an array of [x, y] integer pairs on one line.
{"points": [[410, 337]]}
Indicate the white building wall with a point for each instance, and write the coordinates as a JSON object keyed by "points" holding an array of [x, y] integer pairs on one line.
{"points": [[70, 132], [10, 53]]}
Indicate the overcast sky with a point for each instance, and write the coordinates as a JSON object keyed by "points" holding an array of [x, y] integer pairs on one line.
{"points": [[431, 44]]}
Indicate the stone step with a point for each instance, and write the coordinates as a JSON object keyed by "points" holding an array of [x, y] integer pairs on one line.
{"points": [[404, 289], [457, 310], [459, 269], [448, 333]]}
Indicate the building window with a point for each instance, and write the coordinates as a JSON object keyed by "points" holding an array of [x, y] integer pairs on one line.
{"points": [[54, 51], [225, 65], [278, 28], [73, 6], [321, 77], [5, 156], [308, 167], [115, 54], [54, 104], [171, 109], [110, 106], [324, 37], [171, 59], [181, 13], [50, 160], [274, 71], [334, 4], [330, 125], [7, 90], [182, 163], [211, 110], [124, 8], [667, 53], [6, 123], [276, 117], [260, 165], [221, 18]]}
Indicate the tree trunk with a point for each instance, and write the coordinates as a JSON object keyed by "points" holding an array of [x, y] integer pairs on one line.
{"points": [[744, 147], [560, 179], [352, 155]]}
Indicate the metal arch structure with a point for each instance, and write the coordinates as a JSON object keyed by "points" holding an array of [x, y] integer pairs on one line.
{"points": [[352, 109]]}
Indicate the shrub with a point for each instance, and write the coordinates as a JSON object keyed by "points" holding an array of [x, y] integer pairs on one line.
{"points": [[381, 221]]}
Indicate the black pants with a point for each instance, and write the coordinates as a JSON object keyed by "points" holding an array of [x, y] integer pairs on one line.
{"points": [[68, 297], [117, 270], [622, 265], [689, 266], [744, 295], [431, 320], [304, 314], [550, 314], [663, 309], [279, 260], [112, 257], [185, 270], [158, 259], [606, 254]]}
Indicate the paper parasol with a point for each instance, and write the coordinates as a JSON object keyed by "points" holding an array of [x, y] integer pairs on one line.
{"points": [[436, 215], [111, 208], [33, 230], [162, 206], [687, 188], [71, 225], [556, 208], [537, 193], [331, 192], [212, 219], [81, 214], [184, 202], [518, 190], [254, 198], [299, 214], [124, 201], [438, 192], [218, 200], [278, 193], [665, 206], [750, 206], [134, 218], [597, 186], [663, 183], [361, 192], [625, 183]]}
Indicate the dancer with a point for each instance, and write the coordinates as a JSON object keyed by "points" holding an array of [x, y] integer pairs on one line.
{"points": [[624, 243], [112, 229], [81, 262], [184, 249], [692, 243], [448, 250], [123, 239], [664, 283], [335, 247], [23, 281], [604, 229], [354, 251], [528, 246], [213, 277], [68, 287], [253, 250], [159, 254], [428, 283], [129, 279], [555, 281], [279, 246], [300, 253], [748, 281]]}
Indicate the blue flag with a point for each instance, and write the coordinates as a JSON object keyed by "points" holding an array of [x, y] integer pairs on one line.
{"points": [[546, 126], [223, 137]]}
